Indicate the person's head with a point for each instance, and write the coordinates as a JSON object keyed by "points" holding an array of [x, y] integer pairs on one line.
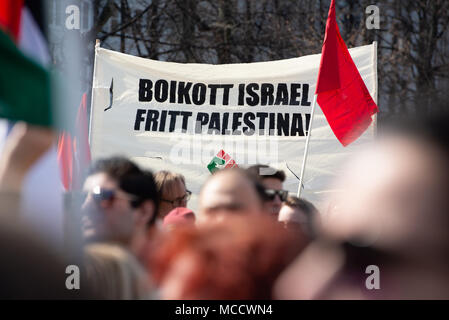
{"points": [[230, 191], [298, 214], [114, 273], [172, 191], [272, 180], [395, 201], [391, 212], [238, 258], [31, 268], [394, 193], [122, 199]]}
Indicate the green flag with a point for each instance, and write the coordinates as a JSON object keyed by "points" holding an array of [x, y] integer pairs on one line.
{"points": [[24, 86]]}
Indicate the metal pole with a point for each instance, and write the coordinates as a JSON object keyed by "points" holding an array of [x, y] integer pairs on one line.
{"points": [[97, 46], [306, 148]]}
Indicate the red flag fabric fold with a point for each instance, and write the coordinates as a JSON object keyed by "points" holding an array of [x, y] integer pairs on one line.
{"points": [[341, 92], [81, 145], [65, 159], [74, 153]]}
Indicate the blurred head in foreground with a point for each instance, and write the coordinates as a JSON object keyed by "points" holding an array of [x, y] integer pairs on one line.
{"points": [[114, 273], [172, 191], [230, 191], [31, 270], [299, 215], [238, 258], [121, 201], [391, 213], [272, 181]]}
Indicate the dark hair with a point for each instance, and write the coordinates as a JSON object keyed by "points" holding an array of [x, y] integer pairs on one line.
{"points": [[256, 169], [302, 204], [131, 179], [431, 128], [309, 210]]}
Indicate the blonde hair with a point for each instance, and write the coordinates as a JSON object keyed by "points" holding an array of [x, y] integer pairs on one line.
{"points": [[166, 180], [114, 273]]}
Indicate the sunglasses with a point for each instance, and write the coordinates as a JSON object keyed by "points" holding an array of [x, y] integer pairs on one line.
{"points": [[178, 201], [102, 194], [271, 194]]}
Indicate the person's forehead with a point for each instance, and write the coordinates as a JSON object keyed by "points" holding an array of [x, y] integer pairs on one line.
{"points": [[174, 189], [394, 163], [227, 190], [272, 183], [230, 183], [222, 200], [379, 185], [99, 179]]}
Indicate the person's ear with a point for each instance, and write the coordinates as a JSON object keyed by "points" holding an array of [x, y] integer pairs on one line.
{"points": [[146, 209]]}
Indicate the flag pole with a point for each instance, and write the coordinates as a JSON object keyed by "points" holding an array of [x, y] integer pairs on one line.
{"points": [[306, 148], [97, 46], [375, 84]]}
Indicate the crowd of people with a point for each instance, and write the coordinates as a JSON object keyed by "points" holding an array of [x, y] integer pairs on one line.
{"points": [[250, 238]]}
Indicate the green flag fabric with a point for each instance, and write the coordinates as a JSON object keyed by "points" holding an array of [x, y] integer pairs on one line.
{"points": [[24, 86]]}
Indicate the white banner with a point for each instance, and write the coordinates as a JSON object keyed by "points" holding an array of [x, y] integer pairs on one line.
{"points": [[196, 118]]}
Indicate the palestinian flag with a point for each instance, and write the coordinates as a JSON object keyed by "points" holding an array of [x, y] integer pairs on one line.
{"points": [[25, 96], [24, 80]]}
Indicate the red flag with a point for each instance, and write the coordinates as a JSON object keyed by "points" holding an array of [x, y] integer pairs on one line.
{"points": [[341, 92], [81, 145], [10, 15], [65, 159], [74, 154]]}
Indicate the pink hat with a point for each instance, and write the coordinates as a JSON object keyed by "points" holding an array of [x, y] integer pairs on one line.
{"points": [[179, 216]]}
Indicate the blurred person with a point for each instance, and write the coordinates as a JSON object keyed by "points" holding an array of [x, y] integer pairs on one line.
{"points": [[300, 215], [391, 213], [113, 273], [238, 258], [30, 269], [179, 217], [24, 146], [172, 191], [230, 191], [272, 180], [121, 203]]}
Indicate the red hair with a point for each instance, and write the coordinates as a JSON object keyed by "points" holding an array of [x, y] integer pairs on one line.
{"points": [[239, 258]]}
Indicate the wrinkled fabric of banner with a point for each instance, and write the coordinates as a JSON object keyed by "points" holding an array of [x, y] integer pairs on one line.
{"points": [[192, 118]]}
